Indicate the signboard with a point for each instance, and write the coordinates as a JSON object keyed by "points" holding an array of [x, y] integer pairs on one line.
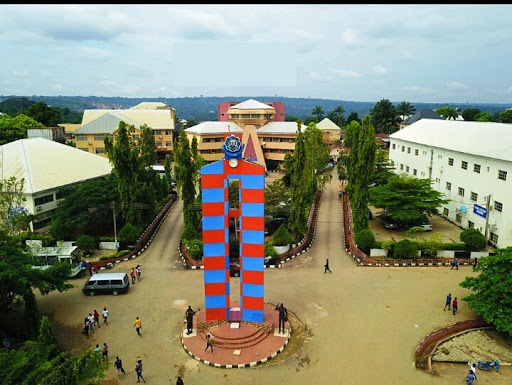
{"points": [[479, 210]]}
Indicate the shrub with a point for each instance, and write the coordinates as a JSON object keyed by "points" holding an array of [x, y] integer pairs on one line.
{"points": [[107, 239], [120, 254], [270, 251], [473, 239], [282, 237], [405, 249], [453, 246], [86, 243], [365, 240], [195, 248], [189, 232], [129, 234], [387, 245], [429, 247]]}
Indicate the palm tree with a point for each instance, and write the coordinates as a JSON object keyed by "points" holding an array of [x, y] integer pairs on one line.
{"points": [[405, 109], [318, 112], [385, 117], [336, 116], [448, 113]]}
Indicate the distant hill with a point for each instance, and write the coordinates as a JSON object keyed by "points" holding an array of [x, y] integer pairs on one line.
{"points": [[205, 108]]}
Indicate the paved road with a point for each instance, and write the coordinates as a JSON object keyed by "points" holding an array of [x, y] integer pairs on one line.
{"points": [[360, 325]]}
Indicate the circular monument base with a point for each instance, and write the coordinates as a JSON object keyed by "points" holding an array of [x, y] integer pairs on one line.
{"points": [[236, 344]]}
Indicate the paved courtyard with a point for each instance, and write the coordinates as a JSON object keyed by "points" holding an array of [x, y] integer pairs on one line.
{"points": [[358, 325]]}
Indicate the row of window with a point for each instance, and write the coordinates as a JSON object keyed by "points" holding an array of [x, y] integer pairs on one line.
{"points": [[251, 116], [159, 132], [44, 199], [42, 223], [498, 206], [471, 225], [278, 140], [212, 151], [212, 140], [277, 151]]}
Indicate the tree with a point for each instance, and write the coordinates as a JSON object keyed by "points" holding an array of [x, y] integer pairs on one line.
{"points": [[483, 117], [383, 168], [86, 243], [147, 146], [336, 116], [405, 109], [14, 217], [506, 116], [318, 113], [43, 113], [365, 240], [405, 249], [407, 199], [12, 129], [473, 239], [129, 234], [168, 172], [276, 194], [353, 117], [317, 157], [385, 117], [491, 297], [46, 337], [282, 237], [448, 113], [469, 114]]}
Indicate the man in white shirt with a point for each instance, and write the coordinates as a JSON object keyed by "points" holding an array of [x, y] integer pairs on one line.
{"points": [[90, 317], [105, 316]]}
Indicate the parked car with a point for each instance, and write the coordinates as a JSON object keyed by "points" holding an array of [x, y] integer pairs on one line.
{"points": [[424, 222], [388, 222]]}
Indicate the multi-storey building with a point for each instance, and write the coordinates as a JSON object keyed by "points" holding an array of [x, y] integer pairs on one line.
{"points": [[96, 124], [470, 163]]}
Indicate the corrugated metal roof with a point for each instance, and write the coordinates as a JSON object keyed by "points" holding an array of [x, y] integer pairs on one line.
{"points": [[45, 164], [422, 114], [287, 128], [327, 124], [105, 124], [156, 119], [487, 139], [214, 128], [148, 106], [252, 104]]}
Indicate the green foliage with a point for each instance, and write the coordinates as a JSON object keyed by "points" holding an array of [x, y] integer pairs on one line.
{"points": [[31, 314], [405, 109], [147, 146], [275, 194], [491, 297], [483, 117], [119, 254], [272, 165], [43, 113], [448, 113], [473, 239], [46, 337], [234, 248], [387, 245], [129, 234], [86, 243], [12, 129], [336, 116], [365, 240], [189, 232], [453, 246], [384, 117], [195, 248], [405, 249], [14, 218], [318, 113], [353, 117], [234, 193], [383, 168], [430, 246], [469, 114], [270, 251], [506, 116], [406, 199], [282, 237]]}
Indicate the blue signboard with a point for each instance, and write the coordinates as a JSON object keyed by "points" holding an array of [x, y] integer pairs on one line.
{"points": [[479, 210]]}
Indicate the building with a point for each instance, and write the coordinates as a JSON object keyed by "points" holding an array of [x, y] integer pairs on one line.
{"points": [[96, 124], [265, 134], [46, 166], [422, 114], [57, 134], [331, 131], [469, 163]]}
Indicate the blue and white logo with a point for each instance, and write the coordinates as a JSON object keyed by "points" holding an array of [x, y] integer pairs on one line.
{"points": [[233, 147]]}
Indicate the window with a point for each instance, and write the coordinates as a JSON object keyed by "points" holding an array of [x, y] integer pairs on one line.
{"points": [[42, 223], [414, 172], [494, 237], [403, 148], [246, 116], [445, 211], [498, 206], [99, 138], [423, 175], [476, 168], [407, 168], [168, 144], [408, 150], [450, 161], [44, 199], [471, 225], [158, 132], [502, 175], [474, 196], [135, 137], [81, 138], [464, 164], [424, 153], [168, 132], [416, 152], [458, 218], [401, 167], [255, 116], [99, 150], [448, 186], [461, 191], [394, 146], [439, 157], [83, 149], [158, 144]]}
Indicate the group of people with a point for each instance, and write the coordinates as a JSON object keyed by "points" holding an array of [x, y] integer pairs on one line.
{"points": [[453, 304], [92, 320], [135, 274], [471, 376], [455, 263]]}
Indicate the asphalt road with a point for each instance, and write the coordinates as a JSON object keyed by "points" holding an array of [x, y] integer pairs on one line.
{"points": [[358, 325]]}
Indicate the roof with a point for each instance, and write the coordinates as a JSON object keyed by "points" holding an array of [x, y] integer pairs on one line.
{"points": [[213, 127], [61, 250], [160, 119], [477, 138], [327, 124], [45, 164], [148, 106], [252, 104], [422, 114], [288, 128], [105, 124]]}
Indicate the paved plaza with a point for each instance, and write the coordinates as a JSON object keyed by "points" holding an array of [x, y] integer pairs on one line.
{"points": [[358, 325]]}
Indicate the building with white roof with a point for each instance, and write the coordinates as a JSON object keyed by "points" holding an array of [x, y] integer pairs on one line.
{"points": [[470, 163], [46, 166], [331, 131], [96, 124]]}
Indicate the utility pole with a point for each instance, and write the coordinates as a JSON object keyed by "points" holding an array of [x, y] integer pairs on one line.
{"points": [[115, 229], [487, 209]]}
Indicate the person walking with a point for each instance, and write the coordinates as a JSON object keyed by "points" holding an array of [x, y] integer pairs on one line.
{"points": [[96, 318], [90, 269], [179, 381], [475, 262], [138, 325], [470, 378], [473, 369], [209, 342], [118, 364], [189, 316], [138, 370], [97, 352], [132, 274], [86, 327], [105, 351], [448, 301], [90, 317], [105, 316], [455, 305], [137, 272], [455, 263], [326, 266]]}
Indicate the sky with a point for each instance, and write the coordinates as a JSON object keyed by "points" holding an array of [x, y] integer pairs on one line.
{"points": [[365, 53]]}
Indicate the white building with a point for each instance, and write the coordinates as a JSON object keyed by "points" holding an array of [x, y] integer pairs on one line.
{"points": [[470, 163], [46, 166]]}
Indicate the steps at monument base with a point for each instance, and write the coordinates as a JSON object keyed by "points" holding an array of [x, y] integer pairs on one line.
{"points": [[241, 343], [243, 337]]}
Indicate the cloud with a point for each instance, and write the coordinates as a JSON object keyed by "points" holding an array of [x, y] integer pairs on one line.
{"points": [[346, 73], [203, 25], [456, 86], [380, 70], [349, 37], [319, 77]]}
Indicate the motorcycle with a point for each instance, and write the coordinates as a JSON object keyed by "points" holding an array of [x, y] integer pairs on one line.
{"points": [[488, 365]]}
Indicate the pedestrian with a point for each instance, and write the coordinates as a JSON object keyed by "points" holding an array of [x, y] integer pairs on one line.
{"points": [[475, 262], [105, 316], [105, 351], [96, 318], [448, 301], [326, 266], [96, 268], [455, 305], [189, 316], [470, 378], [209, 342], [138, 326], [137, 272], [86, 327], [473, 369], [119, 366], [179, 381], [83, 267], [138, 370], [283, 316], [90, 317], [132, 274], [90, 269], [455, 263], [97, 352]]}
